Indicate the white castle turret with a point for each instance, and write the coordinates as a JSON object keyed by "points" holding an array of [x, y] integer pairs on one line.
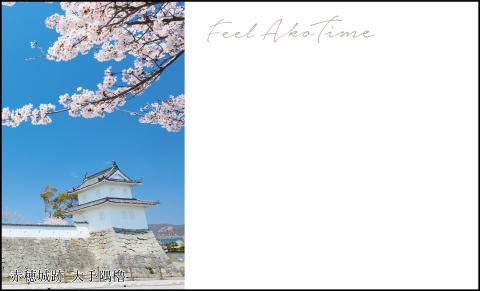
{"points": [[105, 201]]}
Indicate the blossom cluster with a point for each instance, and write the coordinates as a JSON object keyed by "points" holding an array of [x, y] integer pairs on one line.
{"points": [[89, 104], [54, 221], [140, 29], [38, 116], [170, 114]]}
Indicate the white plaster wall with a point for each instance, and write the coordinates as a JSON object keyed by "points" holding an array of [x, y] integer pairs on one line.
{"points": [[105, 190], [128, 217], [98, 218], [82, 228], [119, 216], [44, 231]]}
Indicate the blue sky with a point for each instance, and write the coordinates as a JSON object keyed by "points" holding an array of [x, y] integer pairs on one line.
{"points": [[62, 152]]}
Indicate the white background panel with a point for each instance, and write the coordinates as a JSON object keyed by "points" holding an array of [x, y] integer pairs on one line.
{"points": [[339, 164]]}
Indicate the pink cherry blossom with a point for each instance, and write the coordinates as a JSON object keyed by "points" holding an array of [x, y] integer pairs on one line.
{"points": [[37, 116], [40, 115], [169, 114], [54, 221]]}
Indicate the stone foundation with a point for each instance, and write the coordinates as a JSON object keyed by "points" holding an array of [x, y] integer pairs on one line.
{"points": [[132, 251], [137, 253]]}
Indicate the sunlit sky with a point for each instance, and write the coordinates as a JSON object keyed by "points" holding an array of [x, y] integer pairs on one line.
{"points": [[61, 153]]}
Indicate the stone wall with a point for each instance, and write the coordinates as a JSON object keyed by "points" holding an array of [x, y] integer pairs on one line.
{"points": [[132, 251], [137, 253], [45, 253]]}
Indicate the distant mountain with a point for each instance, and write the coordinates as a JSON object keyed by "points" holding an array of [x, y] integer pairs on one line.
{"points": [[167, 231]]}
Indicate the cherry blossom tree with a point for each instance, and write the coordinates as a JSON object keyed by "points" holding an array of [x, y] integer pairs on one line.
{"points": [[151, 32], [54, 221]]}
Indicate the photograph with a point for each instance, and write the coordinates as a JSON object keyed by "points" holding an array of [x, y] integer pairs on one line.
{"points": [[93, 145]]}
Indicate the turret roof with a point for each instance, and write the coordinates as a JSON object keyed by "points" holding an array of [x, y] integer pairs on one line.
{"points": [[104, 175]]}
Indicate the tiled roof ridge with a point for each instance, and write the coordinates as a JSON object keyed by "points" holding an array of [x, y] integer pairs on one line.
{"points": [[114, 166]]}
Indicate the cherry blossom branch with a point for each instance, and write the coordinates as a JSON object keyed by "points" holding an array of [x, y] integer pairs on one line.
{"points": [[152, 32], [126, 92]]}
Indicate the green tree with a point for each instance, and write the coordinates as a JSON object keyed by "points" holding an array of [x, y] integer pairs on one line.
{"points": [[57, 203], [62, 202]]}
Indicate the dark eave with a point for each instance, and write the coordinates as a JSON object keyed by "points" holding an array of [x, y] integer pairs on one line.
{"points": [[100, 180], [121, 180], [131, 201]]}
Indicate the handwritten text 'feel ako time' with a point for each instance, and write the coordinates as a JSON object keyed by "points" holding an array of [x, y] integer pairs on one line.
{"points": [[277, 31]]}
